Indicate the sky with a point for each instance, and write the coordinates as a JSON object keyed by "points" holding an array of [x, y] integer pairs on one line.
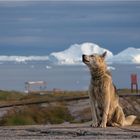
{"points": [[42, 27]]}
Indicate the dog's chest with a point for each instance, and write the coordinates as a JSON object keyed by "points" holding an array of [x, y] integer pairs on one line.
{"points": [[97, 90]]}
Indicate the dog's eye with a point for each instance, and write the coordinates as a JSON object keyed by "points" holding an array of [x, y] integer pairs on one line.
{"points": [[91, 55]]}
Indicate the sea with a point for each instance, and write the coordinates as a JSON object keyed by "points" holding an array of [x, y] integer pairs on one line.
{"points": [[14, 75]]}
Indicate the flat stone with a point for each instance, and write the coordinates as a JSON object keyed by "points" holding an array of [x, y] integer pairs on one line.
{"points": [[68, 131]]}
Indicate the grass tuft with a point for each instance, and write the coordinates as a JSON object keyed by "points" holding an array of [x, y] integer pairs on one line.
{"points": [[33, 115]]}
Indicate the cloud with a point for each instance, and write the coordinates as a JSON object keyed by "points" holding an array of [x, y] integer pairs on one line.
{"points": [[39, 41], [18, 2], [21, 39], [63, 0], [26, 19], [47, 23]]}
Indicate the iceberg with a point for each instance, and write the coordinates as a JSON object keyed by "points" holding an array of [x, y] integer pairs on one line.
{"points": [[127, 56], [73, 55], [22, 59]]}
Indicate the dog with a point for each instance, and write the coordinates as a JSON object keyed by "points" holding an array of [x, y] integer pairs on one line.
{"points": [[104, 101]]}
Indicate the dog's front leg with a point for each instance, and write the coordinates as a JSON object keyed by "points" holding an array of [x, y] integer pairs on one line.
{"points": [[105, 108], [93, 112]]}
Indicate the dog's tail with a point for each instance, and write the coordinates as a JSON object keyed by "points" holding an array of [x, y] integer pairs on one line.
{"points": [[129, 120]]}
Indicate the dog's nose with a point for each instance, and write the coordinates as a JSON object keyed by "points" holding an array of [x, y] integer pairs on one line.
{"points": [[83, 57]]}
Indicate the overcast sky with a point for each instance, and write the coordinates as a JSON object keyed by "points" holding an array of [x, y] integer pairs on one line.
{"points": [[42, 27]]}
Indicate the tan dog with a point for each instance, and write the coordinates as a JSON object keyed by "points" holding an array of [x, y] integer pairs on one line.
{"points": [[105, 107]]}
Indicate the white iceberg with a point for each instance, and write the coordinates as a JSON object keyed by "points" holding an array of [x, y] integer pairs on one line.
{"points": [[73, 55], [22, 59], [128, 56]]}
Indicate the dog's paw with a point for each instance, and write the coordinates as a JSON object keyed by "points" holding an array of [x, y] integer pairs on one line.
{"points": [[94, 125], [115, 124], [103, 125]]}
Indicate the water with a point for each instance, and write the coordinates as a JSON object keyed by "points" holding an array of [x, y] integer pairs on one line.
{"points": [[121, 74], [14, 75]]}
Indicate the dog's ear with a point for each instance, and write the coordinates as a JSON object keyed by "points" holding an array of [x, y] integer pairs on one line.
{"points": [[104, 54]]}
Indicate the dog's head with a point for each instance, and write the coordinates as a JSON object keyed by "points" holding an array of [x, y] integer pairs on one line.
{"points": [[95, 61]]}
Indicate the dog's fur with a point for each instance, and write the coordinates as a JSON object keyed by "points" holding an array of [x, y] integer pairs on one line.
{"points": [[105, 107]]}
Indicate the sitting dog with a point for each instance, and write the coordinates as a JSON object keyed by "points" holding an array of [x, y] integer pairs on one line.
{"points": [[104, 101]]}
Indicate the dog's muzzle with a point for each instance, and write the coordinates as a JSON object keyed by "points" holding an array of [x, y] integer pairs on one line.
{"points": [[84, 58]]}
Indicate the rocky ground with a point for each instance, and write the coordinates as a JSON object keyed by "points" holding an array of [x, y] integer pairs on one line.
{"points": [[68, 131], [80, 109]]}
